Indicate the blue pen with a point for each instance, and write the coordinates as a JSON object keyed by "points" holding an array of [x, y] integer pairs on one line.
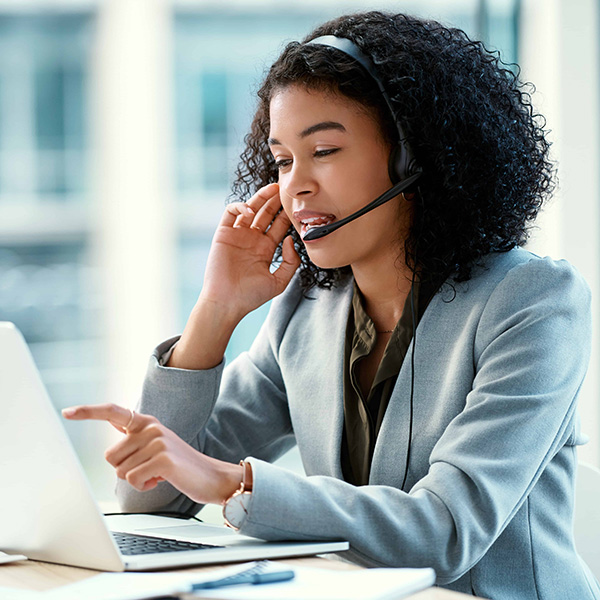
{"points": [[251, 576]]}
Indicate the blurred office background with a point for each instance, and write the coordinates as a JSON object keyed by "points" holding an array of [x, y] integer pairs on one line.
{"points": [[121, 122]]}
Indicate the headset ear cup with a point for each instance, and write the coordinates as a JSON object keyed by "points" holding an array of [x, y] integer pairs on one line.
{"points": [[401, 165], [396, 164]]}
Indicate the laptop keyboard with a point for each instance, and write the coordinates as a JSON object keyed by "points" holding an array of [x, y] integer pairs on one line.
{"points": [[130, 544]]}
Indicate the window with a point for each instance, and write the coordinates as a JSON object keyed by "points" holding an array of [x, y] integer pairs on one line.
{"points": [[48, 286]]}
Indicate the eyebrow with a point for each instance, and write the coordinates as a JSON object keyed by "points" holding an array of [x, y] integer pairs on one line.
{"points": [[323, 126]]}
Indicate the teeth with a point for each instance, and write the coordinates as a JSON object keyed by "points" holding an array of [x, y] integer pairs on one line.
{"points": [[315, 222]]}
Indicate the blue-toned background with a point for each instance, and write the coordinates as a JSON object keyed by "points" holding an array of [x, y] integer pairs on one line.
{"points": [[121, 123]]}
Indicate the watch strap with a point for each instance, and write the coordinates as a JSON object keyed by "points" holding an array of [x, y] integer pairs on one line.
{"points": [[244, 490]]}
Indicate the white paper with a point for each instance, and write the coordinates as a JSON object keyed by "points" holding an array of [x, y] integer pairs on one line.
{"points": [[308, 584], [117, 586], [8, 558], [17, 594], [327, 584], [135, 586]]}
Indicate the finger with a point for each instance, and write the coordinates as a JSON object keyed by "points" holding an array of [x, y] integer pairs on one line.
{"points": [[142, 454], [99, 412], [122, 450], [119, 428], [280, 226], [151, 483], [267, 213], [116, 415], [263, 195], [147, 472], [244, 220], [235, 210], [289, 264]]}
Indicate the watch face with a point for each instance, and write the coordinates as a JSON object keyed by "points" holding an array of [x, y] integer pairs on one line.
{"points": [[236, 509]]}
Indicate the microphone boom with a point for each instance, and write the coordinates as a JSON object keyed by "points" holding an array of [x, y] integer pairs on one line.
{"points": [[318, 232]]}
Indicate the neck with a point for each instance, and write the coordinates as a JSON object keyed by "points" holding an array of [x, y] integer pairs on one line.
{"points": [[385, 286]]}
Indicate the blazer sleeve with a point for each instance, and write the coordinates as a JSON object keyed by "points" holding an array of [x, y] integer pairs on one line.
{"points": [[531, 351], [227, 413]]}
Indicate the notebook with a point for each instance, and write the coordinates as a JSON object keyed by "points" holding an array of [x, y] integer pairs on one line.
{"points": [[308, 583], [48, 512]]}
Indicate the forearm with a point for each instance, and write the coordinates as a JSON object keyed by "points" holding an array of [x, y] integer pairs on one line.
{"points": [[385, 526], [238, 277], [205, 338], [251, 419], [182, 400]]}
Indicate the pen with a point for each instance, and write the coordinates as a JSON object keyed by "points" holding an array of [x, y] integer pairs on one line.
{"points": [[252, 576]]}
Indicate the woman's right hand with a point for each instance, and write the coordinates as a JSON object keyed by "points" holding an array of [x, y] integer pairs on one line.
{"points": [[238, 271], [238, 277], [150, 453]]}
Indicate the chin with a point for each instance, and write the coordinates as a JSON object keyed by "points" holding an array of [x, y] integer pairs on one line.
{"points": [[323, 261]]}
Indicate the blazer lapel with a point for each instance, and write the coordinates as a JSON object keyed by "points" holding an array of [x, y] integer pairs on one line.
{"points": [[389, 458], [314, 377]]}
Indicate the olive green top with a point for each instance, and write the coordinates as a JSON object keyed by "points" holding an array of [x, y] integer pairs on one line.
{"points": [[363, 416]]}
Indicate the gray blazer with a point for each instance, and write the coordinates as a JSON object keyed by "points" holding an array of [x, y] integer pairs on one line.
{"points": [[489, 494]]}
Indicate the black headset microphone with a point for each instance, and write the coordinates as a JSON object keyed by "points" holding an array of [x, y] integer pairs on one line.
{"points": [[402, 167], [403, 171], [323, 230]]}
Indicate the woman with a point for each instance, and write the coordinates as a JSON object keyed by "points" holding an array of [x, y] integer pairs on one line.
{"points": [[448, 445]]}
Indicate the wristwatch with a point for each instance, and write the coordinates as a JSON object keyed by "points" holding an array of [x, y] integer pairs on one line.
{"points": [[235, 508]]}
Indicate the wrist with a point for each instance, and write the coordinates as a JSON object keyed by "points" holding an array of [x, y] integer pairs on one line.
{"points": [[230, 479], [205, 338], [236, 507], [221, 313]]}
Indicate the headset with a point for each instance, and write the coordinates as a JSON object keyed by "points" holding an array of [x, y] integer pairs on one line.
{"points": [[403, 171], [402, 167]]}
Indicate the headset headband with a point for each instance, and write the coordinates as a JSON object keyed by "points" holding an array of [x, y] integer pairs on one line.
{"points": [[351, 49], [402, 163]]}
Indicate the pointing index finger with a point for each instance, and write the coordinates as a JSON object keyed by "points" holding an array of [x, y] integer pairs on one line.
{"points": [[114, 414]]}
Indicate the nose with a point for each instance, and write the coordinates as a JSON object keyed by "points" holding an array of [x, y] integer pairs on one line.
{"points": [[299, 181]]}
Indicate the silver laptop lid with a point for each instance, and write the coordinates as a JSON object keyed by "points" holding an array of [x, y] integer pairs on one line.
{"points": [[47, 510]]}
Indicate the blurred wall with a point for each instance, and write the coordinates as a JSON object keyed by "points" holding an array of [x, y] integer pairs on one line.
{"points": [[559, 53]]}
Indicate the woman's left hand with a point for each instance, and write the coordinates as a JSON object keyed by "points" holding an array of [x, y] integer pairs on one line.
{"points": [[150, 453]]}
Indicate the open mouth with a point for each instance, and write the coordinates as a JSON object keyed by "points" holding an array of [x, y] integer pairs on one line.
{"points": [[308, 223]]}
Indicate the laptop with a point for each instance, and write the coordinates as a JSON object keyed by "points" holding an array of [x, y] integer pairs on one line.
{"points": [[48, 512]]}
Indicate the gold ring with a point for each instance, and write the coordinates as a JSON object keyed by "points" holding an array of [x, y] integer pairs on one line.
{"points": [[126, 428]]}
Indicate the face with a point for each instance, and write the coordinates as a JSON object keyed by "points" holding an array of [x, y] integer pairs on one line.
{"points": [[332, 161]]}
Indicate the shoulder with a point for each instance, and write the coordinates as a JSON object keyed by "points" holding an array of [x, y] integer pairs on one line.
{"points": [[514, 288], [532, 274], [520, 273], [538, 295]]}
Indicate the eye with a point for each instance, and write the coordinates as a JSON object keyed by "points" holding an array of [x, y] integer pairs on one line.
{"points": [[327, 152], [282, 163]]}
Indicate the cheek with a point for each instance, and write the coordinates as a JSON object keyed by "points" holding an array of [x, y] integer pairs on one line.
{"points": [[283, 193], [286, 204]]}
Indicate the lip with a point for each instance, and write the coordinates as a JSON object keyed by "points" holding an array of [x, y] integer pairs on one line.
{"points": [[308, 218]]}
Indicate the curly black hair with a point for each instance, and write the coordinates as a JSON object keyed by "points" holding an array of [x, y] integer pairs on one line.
{"points": [[467, 117]]}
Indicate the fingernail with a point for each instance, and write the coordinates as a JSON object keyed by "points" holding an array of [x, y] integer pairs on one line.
{"points": [[68, 412]]}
